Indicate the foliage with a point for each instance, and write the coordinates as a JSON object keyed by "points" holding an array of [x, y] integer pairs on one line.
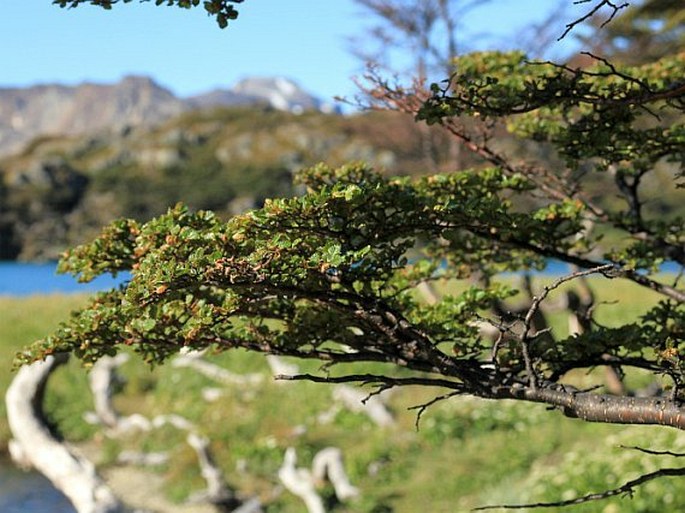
{"points": [[336, 274], [334, 270], [222, 10], [20, 327]]}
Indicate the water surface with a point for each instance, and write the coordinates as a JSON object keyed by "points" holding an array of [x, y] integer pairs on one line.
{"points": [[21, 279], [29, 492]]}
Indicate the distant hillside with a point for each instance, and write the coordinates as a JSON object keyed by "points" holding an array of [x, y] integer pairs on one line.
{"points": [[60, 190], [55, 109]]}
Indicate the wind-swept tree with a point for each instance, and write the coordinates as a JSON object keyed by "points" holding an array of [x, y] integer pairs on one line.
{"points": [[337, 274]]}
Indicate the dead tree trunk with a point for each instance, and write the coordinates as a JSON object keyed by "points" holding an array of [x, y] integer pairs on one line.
{"points": [[35, 446]]}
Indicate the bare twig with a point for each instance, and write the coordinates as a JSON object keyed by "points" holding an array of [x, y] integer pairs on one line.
{"points": [[679, 276], [421, 408], [368, 379], [558, 282], [626, 489], [653, 452], [616, 8], [535, 306]]}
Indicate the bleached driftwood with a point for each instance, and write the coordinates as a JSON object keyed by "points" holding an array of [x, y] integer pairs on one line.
{"points": [[253, 505], [430, 296], [35, 446], [212, 394], [142, 458], [193, 359], [217, 490], [328, 463], [328, 416], [103, 378], [359, 401], [174, 420], [280, 368], [300, 482]]}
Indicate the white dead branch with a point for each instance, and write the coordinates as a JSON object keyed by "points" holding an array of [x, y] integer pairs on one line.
{"points": [[328, 416], [300, 482], [103, 379], [174, 420], [328, 463], [253, 505], [217, 489], [280, 368], [193, 359], [430, 296], [212, 394], [142, 458], [358, 401], [35, 446]]}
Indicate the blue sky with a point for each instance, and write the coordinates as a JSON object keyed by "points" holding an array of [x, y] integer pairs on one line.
{"points": [[307, 40]]}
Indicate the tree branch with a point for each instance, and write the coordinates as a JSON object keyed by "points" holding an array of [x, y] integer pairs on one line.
{"points": [[654, 453], [604, 408], [626, 489], [616, 8], [370, 379]]}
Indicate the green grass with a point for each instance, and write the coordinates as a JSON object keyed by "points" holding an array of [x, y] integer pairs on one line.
{"points": [[467, 453], [23, 320]]}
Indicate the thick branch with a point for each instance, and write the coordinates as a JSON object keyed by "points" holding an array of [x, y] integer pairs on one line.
{"points": [[604, 408]]}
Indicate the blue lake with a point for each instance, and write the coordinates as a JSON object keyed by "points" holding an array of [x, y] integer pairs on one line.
{"points": [[21, 279], [29, 492]]}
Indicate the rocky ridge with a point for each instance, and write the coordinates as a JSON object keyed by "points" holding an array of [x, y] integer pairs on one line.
{"points": [[55, 109]]}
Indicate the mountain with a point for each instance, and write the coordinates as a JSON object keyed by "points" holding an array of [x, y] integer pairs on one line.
{"points": [[26, 113], [278, 92], [54, 109]]}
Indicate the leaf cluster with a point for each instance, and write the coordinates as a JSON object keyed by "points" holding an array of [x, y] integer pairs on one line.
{"points": [[222, 10], [305, 264], [602, 113]]}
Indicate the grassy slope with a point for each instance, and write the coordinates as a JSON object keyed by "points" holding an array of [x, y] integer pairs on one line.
{"points": [[467, 453]]}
